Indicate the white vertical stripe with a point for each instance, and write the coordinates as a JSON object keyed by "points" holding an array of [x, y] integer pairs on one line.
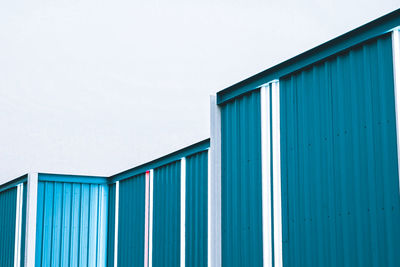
{"points": [[151, 220], [276, 163], [146, 221], [396, 71], [266, 175], [18, 225], [183, 210], [116, 224], [208, 207], [31, 209], [214, 205]]}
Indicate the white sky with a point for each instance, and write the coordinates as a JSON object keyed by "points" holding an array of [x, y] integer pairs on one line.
{"points": [[97, 87]]}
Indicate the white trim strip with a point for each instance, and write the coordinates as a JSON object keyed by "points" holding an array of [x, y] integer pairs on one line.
{"points": [[214, 204], [146, 221], [116, 224], [151, 220], [18, 225], [183, 211], [276, 163], [208, 207], [396, 71], [266, 175], [31, 209]]}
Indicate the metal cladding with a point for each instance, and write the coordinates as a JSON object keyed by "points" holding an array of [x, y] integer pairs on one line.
{"points": [[339, 160], [131, 228], [71, 224], [111, 225], [166, 215], [8, 200], [241, 213], [196, 209], [12, 222], [303, 170]]}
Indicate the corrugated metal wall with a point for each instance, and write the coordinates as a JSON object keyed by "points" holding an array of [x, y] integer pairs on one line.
{"points": [[341, 203], [71, 224], [241, 181], [8, 203], [111, 225], [196, 209], [131, 222], [166, 215]]}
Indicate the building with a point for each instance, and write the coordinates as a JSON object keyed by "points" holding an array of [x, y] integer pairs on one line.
{"points": [[302, 169]]}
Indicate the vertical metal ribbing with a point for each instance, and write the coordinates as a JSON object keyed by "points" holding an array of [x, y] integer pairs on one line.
{"points": [[276, 167], [103, 211], [396, 72], [183, 210], [116, 224], [151, 219], [266, 175], [214, 187], [18, 225], [31, 209], [146, 220]]}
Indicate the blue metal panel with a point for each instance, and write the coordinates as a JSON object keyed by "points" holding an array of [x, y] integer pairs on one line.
{"points": [[241, 182], [166, 215], [8, 202], [111, 225], [340, 191], [131, 221], [70, 224], [196, 209], [67, 178]]}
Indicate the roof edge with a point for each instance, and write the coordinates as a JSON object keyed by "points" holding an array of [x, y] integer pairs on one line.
{"points": [[361, 34], [14, 182], [171, 157]]}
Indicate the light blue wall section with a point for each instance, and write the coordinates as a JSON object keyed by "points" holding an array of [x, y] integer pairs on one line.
{"points": [[111, 225], [71, 224]]}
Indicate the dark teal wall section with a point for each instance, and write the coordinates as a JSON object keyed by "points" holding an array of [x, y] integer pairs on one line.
{"points": [[166, 215], [71, 224], [196, 209], [241, 181], [111, 225], [340, 191], [8, 203], [131, 227]]}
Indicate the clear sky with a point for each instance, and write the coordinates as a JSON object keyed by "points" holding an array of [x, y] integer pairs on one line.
{"points": [[97, 87]]}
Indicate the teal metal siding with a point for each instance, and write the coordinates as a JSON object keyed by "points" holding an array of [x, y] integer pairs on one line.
{"points": [[71, 224], [111, 225], [166, 215], [8, 203], [241, 181], [340, 191], [131, 222], [196, 209]]}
